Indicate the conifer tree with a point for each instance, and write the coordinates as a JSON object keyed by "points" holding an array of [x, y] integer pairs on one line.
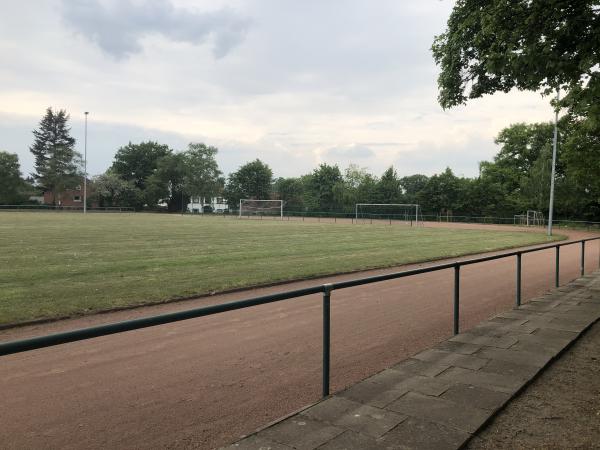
{"points": [[57, 164]]}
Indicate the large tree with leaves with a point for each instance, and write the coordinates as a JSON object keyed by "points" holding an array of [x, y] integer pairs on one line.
{"points": [[13, 188], [57, 164], [202, 177], [497, 45], [137, 162], [252, 180], [112, 190], [325, 183]]}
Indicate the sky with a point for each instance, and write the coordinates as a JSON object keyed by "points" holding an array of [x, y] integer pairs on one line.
{"points": [[294, 83]]}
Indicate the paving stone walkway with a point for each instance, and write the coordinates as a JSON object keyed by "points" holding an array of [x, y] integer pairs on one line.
{"points": [[439, 398]]}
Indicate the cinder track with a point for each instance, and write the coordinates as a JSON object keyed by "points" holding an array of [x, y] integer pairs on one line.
{"points": [[204, 382]]}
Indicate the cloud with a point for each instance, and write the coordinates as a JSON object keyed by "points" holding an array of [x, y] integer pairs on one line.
{"points": [[119, 27], [350, 151]]}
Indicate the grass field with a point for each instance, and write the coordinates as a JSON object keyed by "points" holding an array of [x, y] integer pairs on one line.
{"points": [[58, 264]]}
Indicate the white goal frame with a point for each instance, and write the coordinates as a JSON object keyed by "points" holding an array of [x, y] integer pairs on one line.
{"points": [[530, 219], [402, 205], [242, 200]]}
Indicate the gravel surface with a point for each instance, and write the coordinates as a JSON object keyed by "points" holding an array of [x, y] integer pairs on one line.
{"points": [[560, 409]]}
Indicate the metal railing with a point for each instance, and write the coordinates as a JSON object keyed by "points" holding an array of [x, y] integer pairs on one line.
{"points": [[24, 345]]}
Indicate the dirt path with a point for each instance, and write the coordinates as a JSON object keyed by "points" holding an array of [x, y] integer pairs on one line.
{"points": [[560, 409], [204, 382]]}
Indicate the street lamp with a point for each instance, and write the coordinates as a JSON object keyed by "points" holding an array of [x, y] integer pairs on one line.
{"points": [[85, 166], [554, 143]]}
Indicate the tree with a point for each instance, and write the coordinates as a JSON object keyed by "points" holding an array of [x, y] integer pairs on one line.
{"points": [[252, 180], [411, 186], [166, 184], [389, 188], [137, 162], [12, 186], [441, 193], [56, 161], [497, 45], [112, 190], [322, 182], [202, 177], [291, 191]]}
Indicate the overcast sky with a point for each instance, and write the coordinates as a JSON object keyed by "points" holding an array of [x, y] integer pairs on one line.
{"points": [[294, 83]]}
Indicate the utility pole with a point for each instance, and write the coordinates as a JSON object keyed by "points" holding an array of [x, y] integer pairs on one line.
{"points": [[85, 167], [554, 144]]}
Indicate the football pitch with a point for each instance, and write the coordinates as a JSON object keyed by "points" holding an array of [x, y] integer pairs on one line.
{"points": [[62, 264]]}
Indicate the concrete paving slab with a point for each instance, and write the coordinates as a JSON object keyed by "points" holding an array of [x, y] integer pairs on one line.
{"points": [[301, 433], [451, 359], [500, 342], [350, 440], [416, 433], [439, 410], [330, 409], [458, 347], [354, 416], [372, 394], [468, 395], [370, 421], [419, 367], [255, 442], [489, 380], [522, 371], [518, 357]]}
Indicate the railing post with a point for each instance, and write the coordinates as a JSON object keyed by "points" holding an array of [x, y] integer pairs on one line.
{"points": [[456, 297], [518, 279], [582, 258], [326, 337], [557, 269]]}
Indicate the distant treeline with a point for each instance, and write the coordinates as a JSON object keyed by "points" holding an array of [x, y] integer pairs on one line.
{"points": [[150, 175]]}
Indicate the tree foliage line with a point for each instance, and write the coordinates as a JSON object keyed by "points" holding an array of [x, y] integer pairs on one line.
{"points": [[150, 175]]}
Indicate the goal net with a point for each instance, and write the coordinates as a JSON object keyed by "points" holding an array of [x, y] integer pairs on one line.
{"points": [[530, 219], [402, 212], [251, 207]]}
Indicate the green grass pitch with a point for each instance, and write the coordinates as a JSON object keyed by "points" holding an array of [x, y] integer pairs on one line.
{"points": [[59, 264]]}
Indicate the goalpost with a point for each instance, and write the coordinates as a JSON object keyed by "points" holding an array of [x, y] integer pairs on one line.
{"points": [[253, 207], [530, 219], [408, 212]]}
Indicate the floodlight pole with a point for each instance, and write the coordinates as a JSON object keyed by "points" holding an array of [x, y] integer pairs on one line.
{"points": [[85, 166], [554, 144]]}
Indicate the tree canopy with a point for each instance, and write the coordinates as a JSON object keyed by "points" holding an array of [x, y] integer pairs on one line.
{"points": [[253, 180], [137, 162], [57, 164], [202, 176], [12, 186], [497, 45]]}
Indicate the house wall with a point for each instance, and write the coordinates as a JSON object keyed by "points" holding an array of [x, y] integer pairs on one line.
{"points": [[70, 197], [197, 204]]}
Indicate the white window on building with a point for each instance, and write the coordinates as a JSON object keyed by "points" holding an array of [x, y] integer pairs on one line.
{"points": [[76, 198]]}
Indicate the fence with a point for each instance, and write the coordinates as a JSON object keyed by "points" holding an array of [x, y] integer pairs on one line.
{"points": [[323, 215], [66, 208], [332, 216], [8, 348]]}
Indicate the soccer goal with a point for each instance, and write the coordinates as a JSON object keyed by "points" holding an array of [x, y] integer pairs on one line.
{"points": [[251, 207], [530, 219], [404, 212]]}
